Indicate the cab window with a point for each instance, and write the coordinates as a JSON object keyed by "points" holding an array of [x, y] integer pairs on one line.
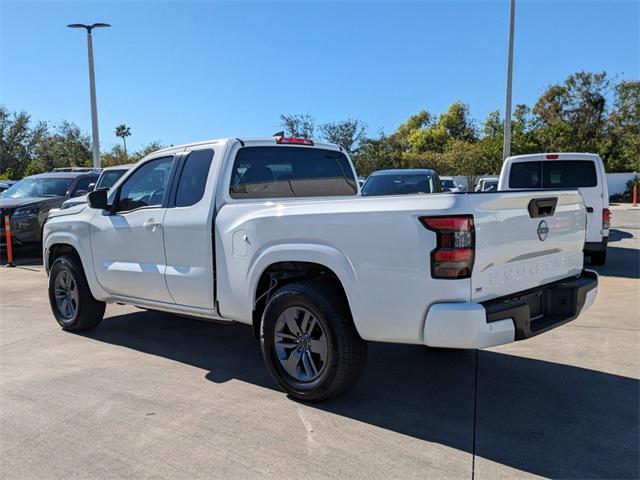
{"points": [[147, 186], [269, 172]]}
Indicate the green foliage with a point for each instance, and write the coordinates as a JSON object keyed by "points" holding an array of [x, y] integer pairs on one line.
{"points": [[588, 112], [118, 156], [123, 132], [347, 133], [298, 125]]}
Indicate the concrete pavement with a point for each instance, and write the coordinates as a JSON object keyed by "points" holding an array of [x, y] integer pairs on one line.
{"points": [[149, 395]]}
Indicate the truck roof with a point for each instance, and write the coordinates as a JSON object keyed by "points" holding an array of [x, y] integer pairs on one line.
{"points": [[554, 156], [249, 140], [404, 171]]}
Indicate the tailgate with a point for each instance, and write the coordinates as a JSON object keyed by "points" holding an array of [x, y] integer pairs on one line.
{"points": [[523, 240]]}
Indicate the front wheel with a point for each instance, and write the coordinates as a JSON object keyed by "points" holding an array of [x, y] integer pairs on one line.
{"points": [[71, 301], [309, 342]]}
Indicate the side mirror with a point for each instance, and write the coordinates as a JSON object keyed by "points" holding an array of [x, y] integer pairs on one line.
{"points": [[98, 200]]}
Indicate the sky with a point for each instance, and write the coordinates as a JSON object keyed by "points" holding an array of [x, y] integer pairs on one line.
{"points": [[186, 71]]}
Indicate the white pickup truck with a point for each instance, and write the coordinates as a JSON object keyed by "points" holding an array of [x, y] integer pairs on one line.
{"points": [[272, 232]]}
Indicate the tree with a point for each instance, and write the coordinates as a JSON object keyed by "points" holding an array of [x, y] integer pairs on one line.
{"points": [[66, 146], [622, 150], [15, 143], [347, 133], [123, 132], [117, 156], [573, 116], [298, 125]]}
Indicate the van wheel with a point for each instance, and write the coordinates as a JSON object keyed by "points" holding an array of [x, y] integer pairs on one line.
{"points": [[309, 342], [598, 258], [71, 301]]}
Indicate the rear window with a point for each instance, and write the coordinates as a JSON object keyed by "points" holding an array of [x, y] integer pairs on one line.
{"points": [[269, 172], [553, 174], [399, 184]]}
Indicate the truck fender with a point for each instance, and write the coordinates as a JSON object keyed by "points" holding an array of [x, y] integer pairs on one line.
{"points": [[324, 255], [67, 237]]}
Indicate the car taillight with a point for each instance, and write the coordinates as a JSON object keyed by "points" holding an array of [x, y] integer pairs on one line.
{"points": [[552, 156], [606, 218], [453, 256], [294, 141]]}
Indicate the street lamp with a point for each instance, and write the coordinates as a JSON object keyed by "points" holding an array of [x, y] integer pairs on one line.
{"points": [[92, 88], [506, 147]]}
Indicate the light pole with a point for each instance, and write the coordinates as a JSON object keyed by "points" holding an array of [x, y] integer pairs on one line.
{"points": [[506, 147], [92, 88]]}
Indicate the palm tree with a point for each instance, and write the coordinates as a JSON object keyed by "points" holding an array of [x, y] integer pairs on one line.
{"points": [[123, 132]]}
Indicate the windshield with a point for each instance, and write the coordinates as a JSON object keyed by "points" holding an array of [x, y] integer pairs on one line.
{"points": [[490, 186], [399, 184], [109, 178], [39, 187]]}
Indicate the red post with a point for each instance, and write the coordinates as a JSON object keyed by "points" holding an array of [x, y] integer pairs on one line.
{"points": [[7, 232], [635, 194]]}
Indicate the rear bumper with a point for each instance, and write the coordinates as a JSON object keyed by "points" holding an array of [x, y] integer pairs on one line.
{"points": [[591, 247], [514, 317]]}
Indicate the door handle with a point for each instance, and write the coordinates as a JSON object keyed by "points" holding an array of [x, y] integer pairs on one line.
{"points": [[151, 224], [589, 209]]}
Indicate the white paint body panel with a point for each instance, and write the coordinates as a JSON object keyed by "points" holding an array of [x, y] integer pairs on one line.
{"points": [[376, 246], [596, 198]]}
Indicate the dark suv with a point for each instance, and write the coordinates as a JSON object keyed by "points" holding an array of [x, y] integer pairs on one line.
{"points": [[28, 202]]}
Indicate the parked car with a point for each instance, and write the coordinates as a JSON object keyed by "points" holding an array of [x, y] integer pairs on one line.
{"points": [[272, 233], [108, 177], [28, 202], [487, 185], [449, 185], [582, 171], [401, 182], [5, 184]]}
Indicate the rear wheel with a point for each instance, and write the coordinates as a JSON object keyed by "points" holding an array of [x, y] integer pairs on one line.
{"points": [[309, 342], [71, 301], [598, 258]]}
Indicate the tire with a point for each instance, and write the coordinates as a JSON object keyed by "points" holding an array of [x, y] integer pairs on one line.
{"points": [[295, 359], [75, 309], [598, 258]]}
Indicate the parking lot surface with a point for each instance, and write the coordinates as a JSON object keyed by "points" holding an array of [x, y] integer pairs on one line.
{"points": [[151, 395]]}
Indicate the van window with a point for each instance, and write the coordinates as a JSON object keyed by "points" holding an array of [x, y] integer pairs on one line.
{"points": [[193, 178], [553, 174], [570, 174], [269, 172], [526, 175]]}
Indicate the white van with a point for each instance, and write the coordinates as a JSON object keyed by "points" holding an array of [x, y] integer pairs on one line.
{"points": [[584, 171]]}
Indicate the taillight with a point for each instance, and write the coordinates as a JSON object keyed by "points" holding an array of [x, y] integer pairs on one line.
{"points": [[294, 141], [552, 156], [453, 256], [606, 218]]}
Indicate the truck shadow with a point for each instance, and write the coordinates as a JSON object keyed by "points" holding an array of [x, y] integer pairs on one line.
{"points": [[544, 418]]}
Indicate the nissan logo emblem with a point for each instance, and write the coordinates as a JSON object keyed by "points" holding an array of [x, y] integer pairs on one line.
{"points": [[543, 230]]}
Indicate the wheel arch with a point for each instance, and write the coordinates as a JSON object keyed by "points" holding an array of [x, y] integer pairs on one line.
{"points": [[285, 265], [60, 243]]}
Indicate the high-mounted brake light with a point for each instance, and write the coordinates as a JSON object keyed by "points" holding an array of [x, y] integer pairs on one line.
{"points": [[606, 218], [552, 157], [454, 253], [294, 141]]}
